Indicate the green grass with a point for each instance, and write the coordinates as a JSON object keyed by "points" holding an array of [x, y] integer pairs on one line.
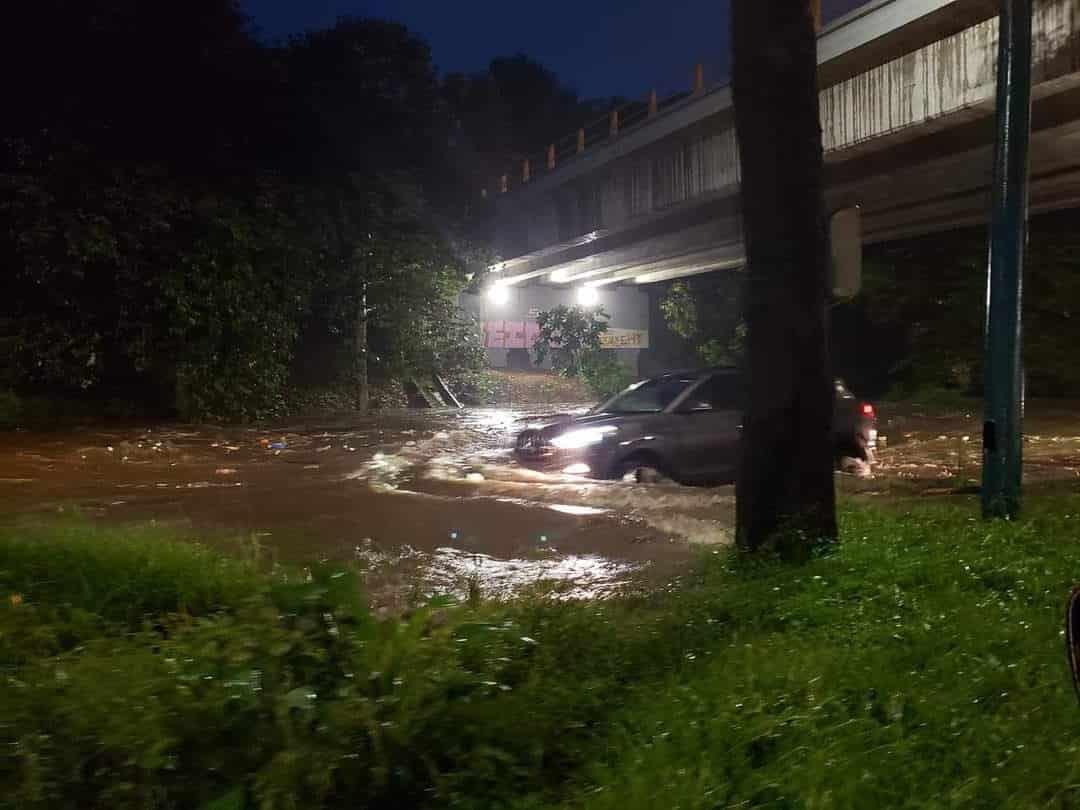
{"points": [[121, 574], [918, 664]]}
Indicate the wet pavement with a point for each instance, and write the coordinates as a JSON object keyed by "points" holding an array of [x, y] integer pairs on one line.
{"points": [[432, 502]]}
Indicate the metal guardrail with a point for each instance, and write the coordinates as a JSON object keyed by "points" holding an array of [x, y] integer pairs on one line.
{"points": [[598, 131], [607, 128], [840, 37]]}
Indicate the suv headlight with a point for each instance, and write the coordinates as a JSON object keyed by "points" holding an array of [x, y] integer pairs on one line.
{"points": [[576, 439]]}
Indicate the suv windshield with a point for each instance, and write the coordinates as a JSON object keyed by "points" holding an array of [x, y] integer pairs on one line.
{"points": [[647, 396]]}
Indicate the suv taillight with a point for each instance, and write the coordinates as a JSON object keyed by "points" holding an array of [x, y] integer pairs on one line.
{"points": [[868, 410]]}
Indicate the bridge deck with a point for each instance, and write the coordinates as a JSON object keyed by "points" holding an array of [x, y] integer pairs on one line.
{"points": [[907, 137]]}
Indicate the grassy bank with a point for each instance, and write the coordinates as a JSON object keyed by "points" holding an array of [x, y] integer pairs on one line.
{"points": [[920, 664]]}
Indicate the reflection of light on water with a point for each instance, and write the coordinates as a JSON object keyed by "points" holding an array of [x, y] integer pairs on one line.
{"points": [[207, 485], [383, 469], [496, 418], [371, 555], [574, 577], [571, 509]]}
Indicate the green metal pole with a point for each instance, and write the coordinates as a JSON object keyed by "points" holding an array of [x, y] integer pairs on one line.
{"points": [[1004, 405]]}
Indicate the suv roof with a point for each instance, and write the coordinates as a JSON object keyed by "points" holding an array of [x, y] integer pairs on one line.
{"points": [[692, 372]]}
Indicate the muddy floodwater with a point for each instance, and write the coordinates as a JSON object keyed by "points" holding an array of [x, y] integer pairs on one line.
{"points": [[424, 501], [429, 502], [938, 451]]}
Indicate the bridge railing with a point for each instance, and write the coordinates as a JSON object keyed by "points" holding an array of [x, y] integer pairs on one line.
{"points": [[605, 128], [601, 130]]}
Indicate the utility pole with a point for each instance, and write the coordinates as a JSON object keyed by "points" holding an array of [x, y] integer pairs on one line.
{"points": [[1004, 403]]}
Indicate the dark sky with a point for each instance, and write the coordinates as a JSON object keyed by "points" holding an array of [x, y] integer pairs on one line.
{"points": [[598, 47]]}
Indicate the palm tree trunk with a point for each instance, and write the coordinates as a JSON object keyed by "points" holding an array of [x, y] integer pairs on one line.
{"points": [[785, 495]]}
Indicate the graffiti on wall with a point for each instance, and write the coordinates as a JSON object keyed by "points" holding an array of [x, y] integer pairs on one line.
{"points": [[510, 334], [523, 334], [615, 338]]}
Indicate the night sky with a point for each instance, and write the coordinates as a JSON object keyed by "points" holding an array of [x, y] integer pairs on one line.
{"points": [[598, 47]]}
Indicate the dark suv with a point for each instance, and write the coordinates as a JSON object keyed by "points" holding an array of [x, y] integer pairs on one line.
{"points": [[684, 425]]}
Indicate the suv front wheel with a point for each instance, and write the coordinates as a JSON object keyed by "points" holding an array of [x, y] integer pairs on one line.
{"points": [[639, 470]]}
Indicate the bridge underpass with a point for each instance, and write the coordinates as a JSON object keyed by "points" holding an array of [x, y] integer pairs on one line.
{"points": [[907, 95]]}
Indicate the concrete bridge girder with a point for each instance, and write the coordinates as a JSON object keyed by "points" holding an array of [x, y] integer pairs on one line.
{"points": [[909, 139]]}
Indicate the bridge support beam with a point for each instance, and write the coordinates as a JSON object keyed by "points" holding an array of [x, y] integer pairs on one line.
{"points": [[1004, 404]]}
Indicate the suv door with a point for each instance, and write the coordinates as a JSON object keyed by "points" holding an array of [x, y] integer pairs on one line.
{"points": [[710, 425]]}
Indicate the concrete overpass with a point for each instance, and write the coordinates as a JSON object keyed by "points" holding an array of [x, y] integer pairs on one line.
{"points": [[907, 95]]}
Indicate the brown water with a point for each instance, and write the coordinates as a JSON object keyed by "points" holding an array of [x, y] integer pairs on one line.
{"points": [[933, 449], [430, 501], [425, 501]]}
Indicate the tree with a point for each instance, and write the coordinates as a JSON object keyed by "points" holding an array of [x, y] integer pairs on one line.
{"points": [[189, 210], [706, 312], [785, 494], [515, 109], [150, 255], [568, 335], [370, 91], [922, 310], [571, 337], [389, 284]]}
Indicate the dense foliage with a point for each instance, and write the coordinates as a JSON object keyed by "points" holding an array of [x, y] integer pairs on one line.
{"points": [[192, 219], [917, 325], [570, 336], [918, 663], [706, 312], [513, 110], [604, 373], [567, 334], [924, 302]]}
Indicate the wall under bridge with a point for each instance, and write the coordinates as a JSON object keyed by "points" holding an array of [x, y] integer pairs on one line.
{"points": [[510, 326], [908, 137]]}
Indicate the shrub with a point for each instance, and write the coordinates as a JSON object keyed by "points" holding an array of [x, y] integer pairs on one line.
{"points": [[603, 372], [180, 678], [918, 663], [567, 335]]}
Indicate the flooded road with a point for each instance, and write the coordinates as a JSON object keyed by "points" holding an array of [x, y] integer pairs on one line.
{"points": [[935, 450], [432, 502], [425, 502]]}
